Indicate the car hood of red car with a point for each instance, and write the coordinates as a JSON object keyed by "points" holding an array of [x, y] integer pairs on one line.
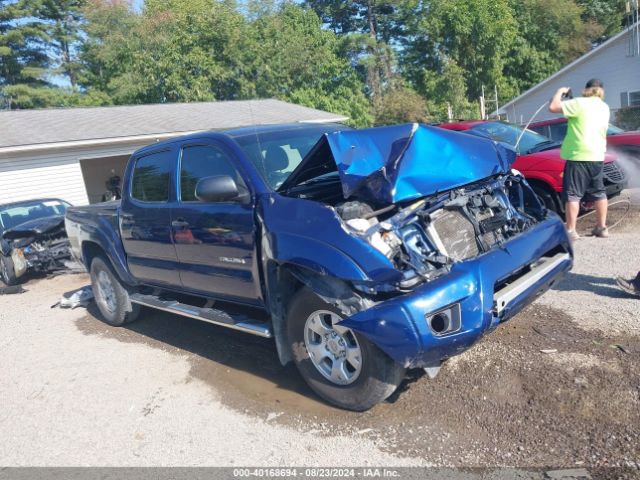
{"points": [[533, 160], [625, 138]]}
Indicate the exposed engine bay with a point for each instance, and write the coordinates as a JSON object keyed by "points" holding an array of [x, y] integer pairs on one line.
{"points": [[41, 250], [425, 237]]}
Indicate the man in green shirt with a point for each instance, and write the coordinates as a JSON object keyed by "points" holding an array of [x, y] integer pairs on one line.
{"points": [[584, 147]]}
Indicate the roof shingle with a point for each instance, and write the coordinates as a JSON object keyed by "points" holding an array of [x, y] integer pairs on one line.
{"points": [[30, 127]]}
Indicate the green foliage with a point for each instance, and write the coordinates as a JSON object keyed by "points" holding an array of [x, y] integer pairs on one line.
{"points": [[22, 59], [602, 18], [61, 22], [295, 59], [376, 61], [176, 51], [24, 96], [401, 104], [448, 90], [475, 35], [550, 34]]}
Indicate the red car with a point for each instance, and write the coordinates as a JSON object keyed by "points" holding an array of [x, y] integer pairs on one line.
{"points": [[617, 139], [539, 159]]}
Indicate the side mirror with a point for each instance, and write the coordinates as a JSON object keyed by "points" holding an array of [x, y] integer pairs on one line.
{"points": [[221, 188]]}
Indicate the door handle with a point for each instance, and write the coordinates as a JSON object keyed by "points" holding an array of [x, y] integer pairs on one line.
{"points": [[180, 223]]}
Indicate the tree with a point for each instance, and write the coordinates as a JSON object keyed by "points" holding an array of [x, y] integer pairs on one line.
{"points": [[296, 60], [602, 18], [400, 104], [176, 51], [23, 59], [61, 21], [475, 35]]}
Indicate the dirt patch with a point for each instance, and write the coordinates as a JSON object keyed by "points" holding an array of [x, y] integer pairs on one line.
{"points": [[504, 402], [622, 217]]}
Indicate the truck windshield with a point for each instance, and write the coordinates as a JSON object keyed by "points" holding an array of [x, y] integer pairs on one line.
{"points": [[276, 154], [18, 213]]}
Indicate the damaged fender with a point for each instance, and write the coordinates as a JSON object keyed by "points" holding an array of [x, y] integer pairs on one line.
{"points": [[297, 249]]}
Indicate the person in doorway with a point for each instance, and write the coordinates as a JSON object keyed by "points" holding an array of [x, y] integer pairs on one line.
{"points": [[584, 147], [632, 287]]}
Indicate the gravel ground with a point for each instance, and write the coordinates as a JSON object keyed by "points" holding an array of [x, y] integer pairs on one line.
{"points": [[589, 293], [80, 400], [170, 391]]}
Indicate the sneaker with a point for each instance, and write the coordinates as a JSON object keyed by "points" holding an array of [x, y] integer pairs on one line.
{"points": [[601, 232], [628, 286], [573, 235]]}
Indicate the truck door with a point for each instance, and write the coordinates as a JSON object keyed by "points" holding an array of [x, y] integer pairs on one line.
{"points": [[215, 241], [145, 219]]}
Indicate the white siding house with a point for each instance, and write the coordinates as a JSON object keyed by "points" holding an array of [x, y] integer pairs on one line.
{"points": [[616, 62], [70, 153]]}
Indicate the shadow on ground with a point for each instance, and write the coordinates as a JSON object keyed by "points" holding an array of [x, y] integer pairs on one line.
{"points": [[605, 286], [241, 367], [504, 402]]}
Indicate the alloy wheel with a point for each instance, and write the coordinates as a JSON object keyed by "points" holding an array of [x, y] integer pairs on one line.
{"points": [[106, 293], [333, 349]]}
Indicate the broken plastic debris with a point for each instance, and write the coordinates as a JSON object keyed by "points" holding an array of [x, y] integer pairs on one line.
{"points": [[79, 298], [550, 350], [622, 348]]}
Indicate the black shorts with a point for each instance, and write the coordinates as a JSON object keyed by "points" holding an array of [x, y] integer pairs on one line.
{"points": [[583, 180]]}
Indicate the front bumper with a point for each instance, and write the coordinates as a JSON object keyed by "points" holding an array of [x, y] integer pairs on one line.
{"points": [[615, 179], [489, 289]]}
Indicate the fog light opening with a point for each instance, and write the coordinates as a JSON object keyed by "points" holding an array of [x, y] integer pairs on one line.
{"points": [[445, 321], [440, 323]]}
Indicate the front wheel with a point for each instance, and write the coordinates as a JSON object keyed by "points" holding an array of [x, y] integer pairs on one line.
{"points": [[549, 198], [340, 365], [111, 296], [7, 272]]}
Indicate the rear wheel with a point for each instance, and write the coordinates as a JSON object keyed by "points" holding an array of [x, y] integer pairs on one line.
{"points": [[340, 365], [111, 296], [7, 272]]}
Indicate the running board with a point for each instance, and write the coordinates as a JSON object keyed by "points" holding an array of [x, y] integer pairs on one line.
{"points": [[210, 315]]}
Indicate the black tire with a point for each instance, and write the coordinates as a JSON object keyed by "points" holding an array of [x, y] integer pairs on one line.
{"points": [[7, 271], [115, 307], [549, 197], [379, 375]]}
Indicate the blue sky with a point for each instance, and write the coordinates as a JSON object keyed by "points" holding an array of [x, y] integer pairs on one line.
{"points": [[137, 4]]}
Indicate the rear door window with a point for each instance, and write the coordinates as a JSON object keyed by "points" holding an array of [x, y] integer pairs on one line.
{"points": [[152, 177]]}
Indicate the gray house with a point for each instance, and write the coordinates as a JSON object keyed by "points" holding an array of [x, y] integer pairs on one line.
{"points": [[69, 153], [616, 62]]}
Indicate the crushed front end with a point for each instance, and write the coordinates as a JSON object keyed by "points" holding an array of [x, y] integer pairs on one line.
{"points": [[42, 249], [471, 258], [429, 238]]}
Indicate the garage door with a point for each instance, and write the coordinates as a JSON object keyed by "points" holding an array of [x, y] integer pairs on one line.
{"points": [[42, 176]]}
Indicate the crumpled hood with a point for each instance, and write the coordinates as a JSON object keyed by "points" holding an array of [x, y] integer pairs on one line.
{"points": [[402, 162], [34, 228]]}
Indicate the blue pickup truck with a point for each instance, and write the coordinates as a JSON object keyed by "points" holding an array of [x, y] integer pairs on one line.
{"points": [[361, 252]]}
